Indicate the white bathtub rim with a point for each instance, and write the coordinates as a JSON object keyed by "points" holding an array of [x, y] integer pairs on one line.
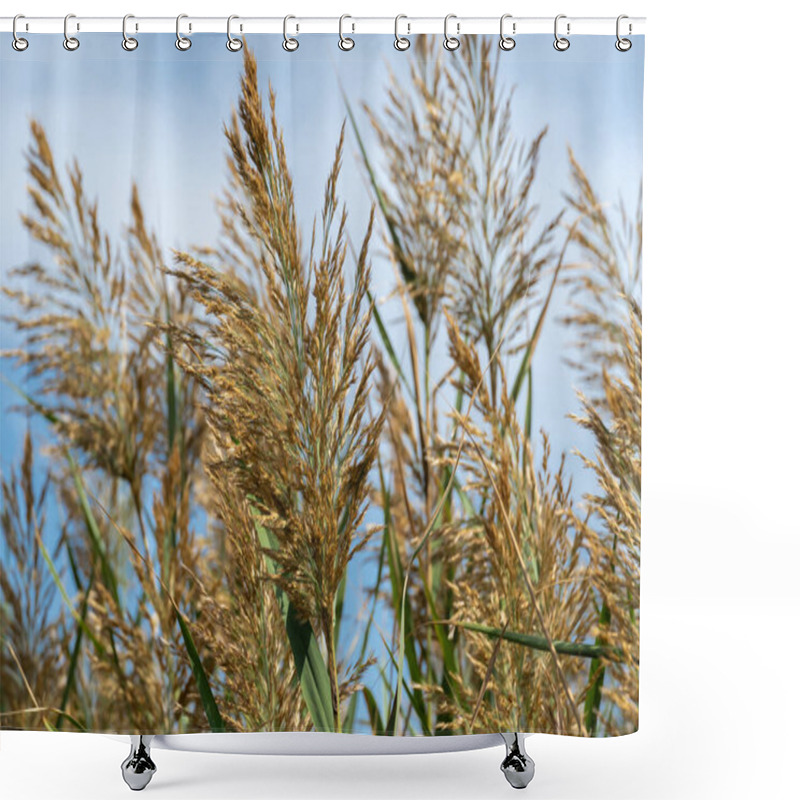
{"points": [[319, 743]]}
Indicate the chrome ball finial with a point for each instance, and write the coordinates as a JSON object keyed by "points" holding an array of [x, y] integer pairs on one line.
{"points": [[517, 766], [138, 768]]}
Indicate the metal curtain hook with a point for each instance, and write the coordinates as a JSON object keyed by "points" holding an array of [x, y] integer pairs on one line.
{"points": [[623, 45], [507, 42], [70, 42], [128, 42], [400, 42], [345, 42], [18, 43], [233, 44], [451, 42], [561, 43], [289, 44], [181, 41]]}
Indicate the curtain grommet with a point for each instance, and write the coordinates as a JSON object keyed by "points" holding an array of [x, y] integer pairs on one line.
{"points": [[622, 44], [18, 42], [507, 43], [70, 43], [183, 43], [129, 43], [561, 43], [290, 44], [346, 43], [401, 43], [451, 43], [233, 44]]}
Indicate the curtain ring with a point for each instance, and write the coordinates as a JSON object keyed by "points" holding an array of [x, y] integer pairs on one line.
{"points": [[181, 41], [507, 42], [623, 45], [289, 44], [561, 43], [233, 44], [18, 43], [128, 42], [345, 42], [451, 42], [400, 42], [70, 42]]}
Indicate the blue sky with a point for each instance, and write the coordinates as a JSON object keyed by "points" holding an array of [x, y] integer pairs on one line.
{"points": [[156, 116]]}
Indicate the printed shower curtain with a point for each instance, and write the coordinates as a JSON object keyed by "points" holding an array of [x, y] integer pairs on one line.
{"points": [[321, 398]]}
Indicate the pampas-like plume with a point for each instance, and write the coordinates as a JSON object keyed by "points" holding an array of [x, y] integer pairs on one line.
{"points": [[124, 450], [523, 568], [286, 367], [33, 651], [607, 316]]}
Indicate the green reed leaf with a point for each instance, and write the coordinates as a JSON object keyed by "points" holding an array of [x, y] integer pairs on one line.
{"points": [[74, 654], [597, 672], [402, 611], [206, 695], [109, 577], [408, 274], [315, 681], [387, 342], [100, 647], [537, 330], [375, 720], [91, 523], [538, 642], [312, 672]]}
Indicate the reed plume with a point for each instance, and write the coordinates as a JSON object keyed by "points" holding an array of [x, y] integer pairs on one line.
{"points": [[523, 568], [126, 446], [33, 651], [463, 229], [221, 426], [607, 316], [286, 368]]}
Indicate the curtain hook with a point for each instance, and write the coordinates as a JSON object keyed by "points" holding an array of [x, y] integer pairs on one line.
{"points": [[70, 42], [451, 42], [128, 42], [289, 44], [507, 42], [561, 43], [345, 42], [400, 42], [181, 41], [18, 43], [233, 44], [623, 45]]}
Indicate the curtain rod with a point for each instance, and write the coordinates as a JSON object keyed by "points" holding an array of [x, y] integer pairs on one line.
{"points": [[299, 24]]}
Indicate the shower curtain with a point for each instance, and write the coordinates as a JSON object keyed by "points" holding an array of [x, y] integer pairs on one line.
{"points": [[321, 398]]}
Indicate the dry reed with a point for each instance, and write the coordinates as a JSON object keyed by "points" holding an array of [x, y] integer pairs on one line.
{"points": [[220, 428]]}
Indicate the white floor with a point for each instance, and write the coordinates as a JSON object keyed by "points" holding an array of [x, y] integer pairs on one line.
{"points": [[719, 719]]}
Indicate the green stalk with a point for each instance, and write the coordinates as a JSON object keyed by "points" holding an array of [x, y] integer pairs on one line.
{"points": [[312, 673], [73, 658], [597, 673]]}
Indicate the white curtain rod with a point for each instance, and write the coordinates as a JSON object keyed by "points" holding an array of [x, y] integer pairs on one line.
{"points": [[513, 26]]}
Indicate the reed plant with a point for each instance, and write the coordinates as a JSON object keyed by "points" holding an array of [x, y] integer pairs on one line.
{"points": [[286, 369], [222, 423], [481, 527], [125, 449]]}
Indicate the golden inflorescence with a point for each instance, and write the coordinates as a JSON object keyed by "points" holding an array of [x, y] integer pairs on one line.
{"points": [[226, 424]]}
